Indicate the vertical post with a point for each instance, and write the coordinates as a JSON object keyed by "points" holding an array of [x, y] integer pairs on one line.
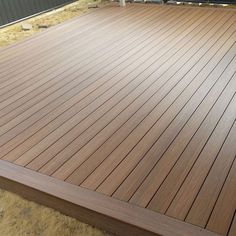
{"points": [[122, 3]]}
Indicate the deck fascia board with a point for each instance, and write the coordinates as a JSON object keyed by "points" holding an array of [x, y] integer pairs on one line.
{"points": [[107, 213]]}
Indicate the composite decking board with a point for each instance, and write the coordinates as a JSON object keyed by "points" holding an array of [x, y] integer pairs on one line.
{"points": [[184, 199], [38, 36], [24, 85], [166, 156], [115, 157], [36, 78], [18, 101], [91, 207], [232, 230], [224, 209], [164, 195], [159, 173], [27, 69], [74, 47], [41, 55], [54, 29], [33, 94], [207, 196], [86, 27], [152, 101], [107, 187], [84, 40], [59, 27], [136, 103], [47, 55], [91, 163], [76, 25], [50, 66], [94, 179]]}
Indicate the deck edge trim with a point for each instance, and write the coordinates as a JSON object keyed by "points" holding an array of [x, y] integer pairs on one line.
{"points": [[114, 216]]}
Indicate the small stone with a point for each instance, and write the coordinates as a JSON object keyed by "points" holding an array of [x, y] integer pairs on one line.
{"points": [[1, 212], [26, 26], [43, 26], [92, 5], [26, 212]]}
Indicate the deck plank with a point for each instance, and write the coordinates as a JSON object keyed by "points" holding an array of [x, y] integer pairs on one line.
{"points": [[157, 93], [232, 230], [154, 170], [201, 166], [98, 57], [224, 210], [115, 216], [126, 106], [159, 126], [165, 137], [207, 196], [135, 74], [109, 93], [154, 101], [164, 196]]}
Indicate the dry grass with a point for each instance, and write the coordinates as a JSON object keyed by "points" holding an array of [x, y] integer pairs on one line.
{"points": [[14, 33], [19, 217]]}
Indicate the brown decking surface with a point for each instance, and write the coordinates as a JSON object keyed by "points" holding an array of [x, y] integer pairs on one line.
{"points": [[137, 103]]}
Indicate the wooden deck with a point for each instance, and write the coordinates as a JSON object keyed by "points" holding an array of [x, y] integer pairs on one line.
{"points": [[126, 115]]}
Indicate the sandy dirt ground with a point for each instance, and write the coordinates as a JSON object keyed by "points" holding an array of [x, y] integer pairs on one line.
{"points": [[19, 217]]}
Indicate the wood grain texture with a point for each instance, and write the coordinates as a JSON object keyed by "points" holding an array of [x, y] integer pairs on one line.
{"points": [[232, 230], [207, 196], [223, 212], [136, 104]]}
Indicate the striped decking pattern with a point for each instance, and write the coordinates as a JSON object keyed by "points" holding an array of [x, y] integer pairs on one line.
{"points": [[137, 103]]}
